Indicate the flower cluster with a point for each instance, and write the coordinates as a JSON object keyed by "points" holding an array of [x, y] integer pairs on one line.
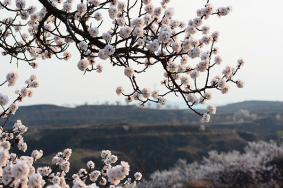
{"points": [[23, 93], [259, 166], [20, 170], [142, 35]]}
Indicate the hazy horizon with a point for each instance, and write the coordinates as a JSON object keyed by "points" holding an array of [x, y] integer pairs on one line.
{"points": [[169, 105]]}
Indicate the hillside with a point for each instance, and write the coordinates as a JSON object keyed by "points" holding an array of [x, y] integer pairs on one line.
{"points": [[51, 115], [155, 146], [157, 138], [253, 106], [42, 115]]}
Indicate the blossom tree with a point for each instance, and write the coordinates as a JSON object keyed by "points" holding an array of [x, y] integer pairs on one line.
{"points": [[132, 35], [260, 165]]}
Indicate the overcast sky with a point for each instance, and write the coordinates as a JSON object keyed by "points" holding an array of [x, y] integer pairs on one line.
{"points": [[254, 32]]}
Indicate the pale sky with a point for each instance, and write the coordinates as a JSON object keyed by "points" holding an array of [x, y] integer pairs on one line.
{"points": [[253, 31]]}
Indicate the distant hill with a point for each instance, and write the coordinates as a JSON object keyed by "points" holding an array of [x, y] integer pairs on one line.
{"points": [[47, 115], [254, 106], [52, 115]]}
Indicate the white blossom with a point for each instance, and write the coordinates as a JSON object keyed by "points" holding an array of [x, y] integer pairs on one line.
{"points": [[240, 83], [205, 118], [3, 100], [109, 50], [93, 31], [37, 154], [153, 46], [12, 78], [83, 64], [129, 72], [4, 157], [36, 181], [119, 90], [211, 109], [94, 2]]}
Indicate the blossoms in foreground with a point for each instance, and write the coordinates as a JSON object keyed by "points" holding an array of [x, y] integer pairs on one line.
{"points": [[22, 171], [260, 165], [133, 36], [19, 170]]}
